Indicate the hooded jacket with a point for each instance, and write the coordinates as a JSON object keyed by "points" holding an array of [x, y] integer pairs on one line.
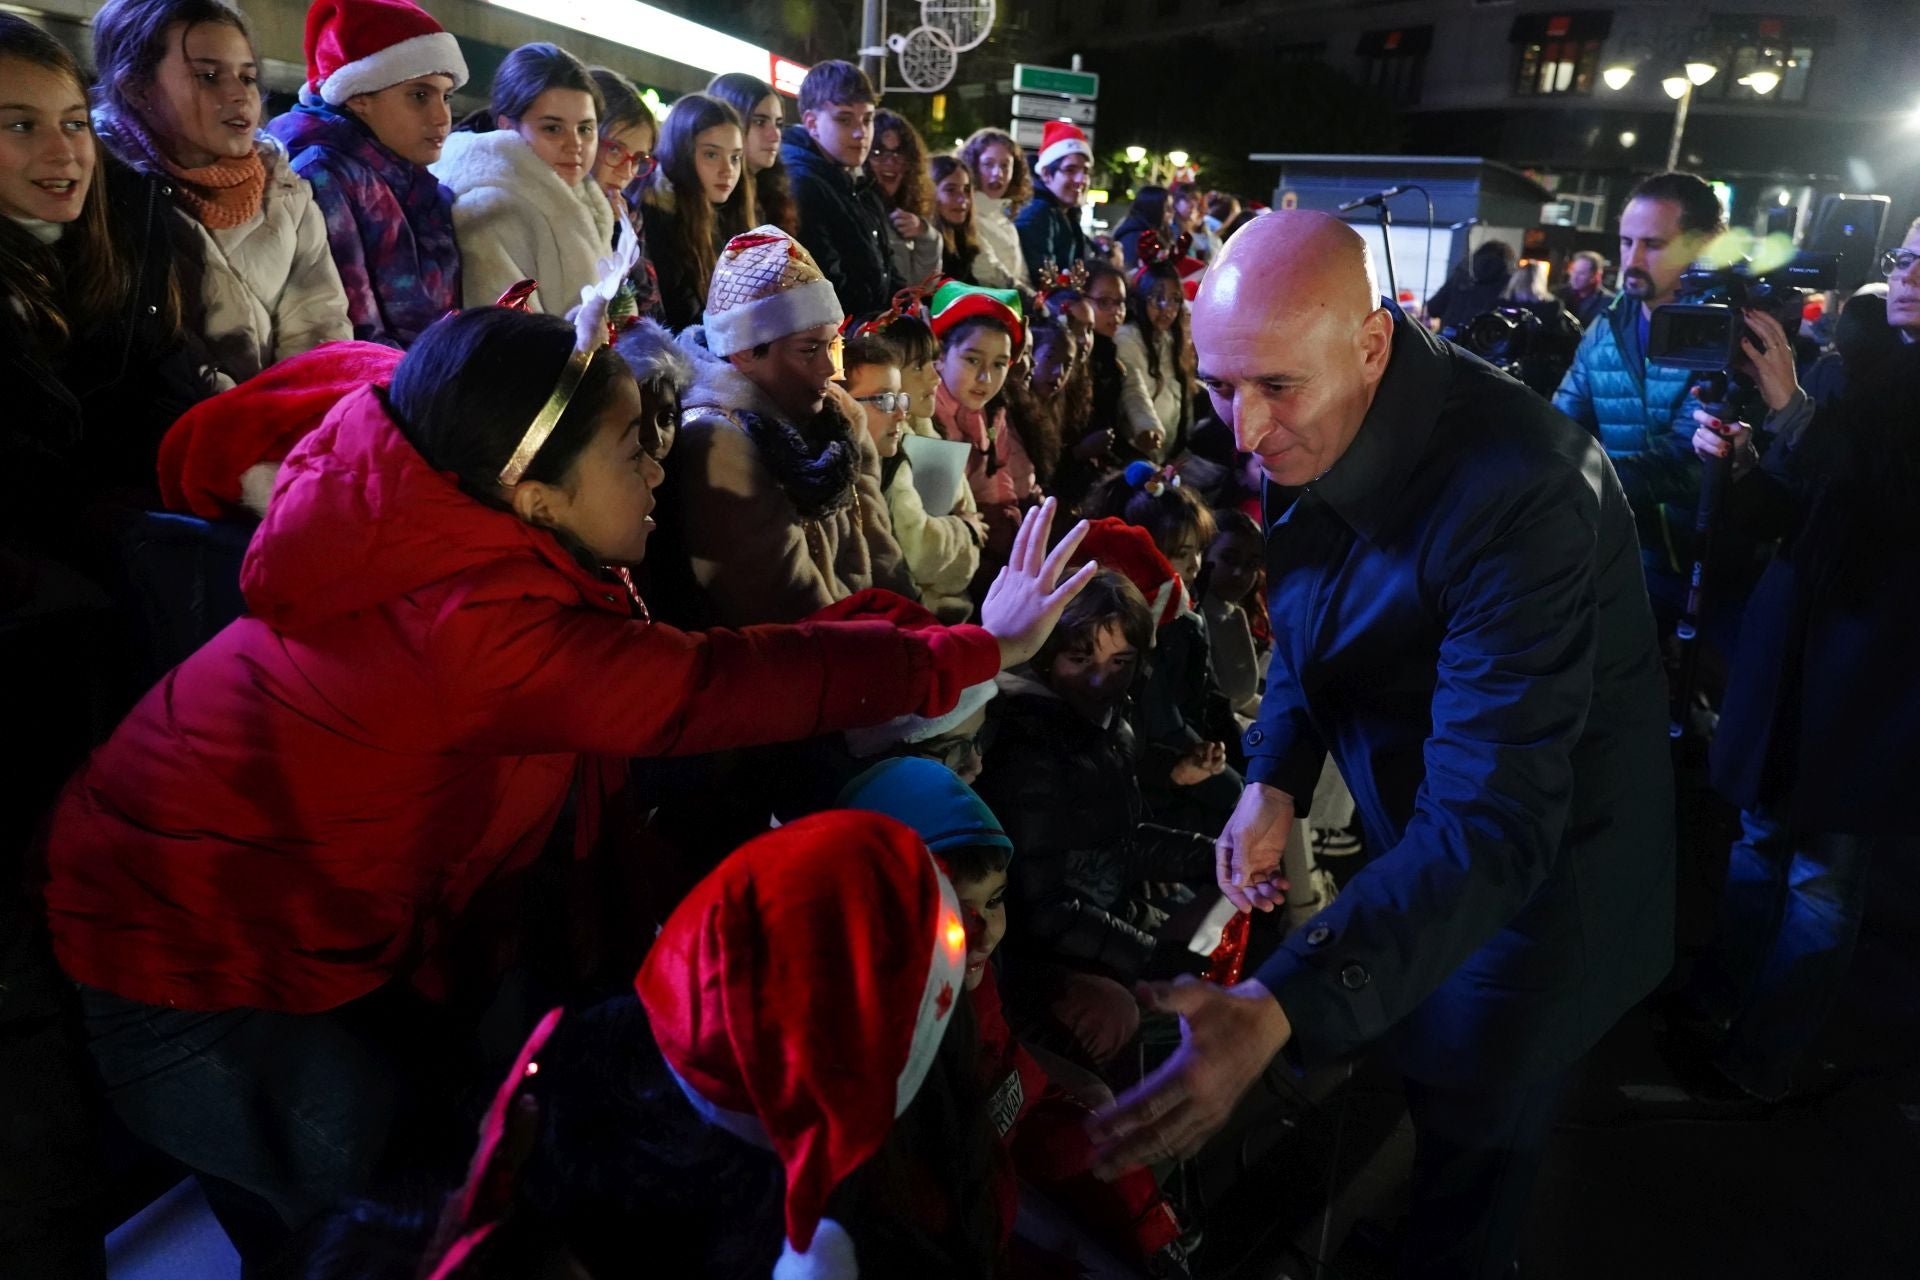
{"points": [[515, 219], [305, 809], [389, 223], [1050, 232], [843, 224], [257, 293], [1063, 787], [754, 556]]}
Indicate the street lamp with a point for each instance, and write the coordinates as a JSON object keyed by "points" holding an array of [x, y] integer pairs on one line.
{"points": [[1136, 154], [1618, 76], [1627, 138], [1763, 82], [1680, 86], [1698, 73], [1178, 159]]}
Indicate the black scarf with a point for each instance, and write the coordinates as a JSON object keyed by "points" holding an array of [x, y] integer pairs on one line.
{"points": [[817, 480]]}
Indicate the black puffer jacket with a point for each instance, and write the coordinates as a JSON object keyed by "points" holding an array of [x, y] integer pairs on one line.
{"points": [[843, 224], [1064, 789], [86, 420]]}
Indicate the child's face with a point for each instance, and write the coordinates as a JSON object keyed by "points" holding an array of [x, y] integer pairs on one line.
{"points": [[918, 381], [877, 388], [1092, 676], [1186, 556], [606, 501], [1050, 366], [983, 905], [1235, 558], [975, 367]]}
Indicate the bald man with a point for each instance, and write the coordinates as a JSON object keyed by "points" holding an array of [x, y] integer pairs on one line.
{"points": [[1459, 618]]}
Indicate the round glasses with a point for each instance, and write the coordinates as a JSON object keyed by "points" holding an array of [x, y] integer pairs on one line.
{"points": [[620, 158], [1895, 261], [887, 401]]}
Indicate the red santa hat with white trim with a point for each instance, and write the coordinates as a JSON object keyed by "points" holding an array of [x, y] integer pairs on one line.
{"points": [[1129, 551], [364, 46], [799, 994], [1061, 139]]}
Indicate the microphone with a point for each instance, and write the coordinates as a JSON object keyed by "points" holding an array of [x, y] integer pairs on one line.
{"points": [[1376, 199]]}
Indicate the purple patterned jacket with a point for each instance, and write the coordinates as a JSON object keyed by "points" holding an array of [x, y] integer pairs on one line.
{"points": [[389, 223]]}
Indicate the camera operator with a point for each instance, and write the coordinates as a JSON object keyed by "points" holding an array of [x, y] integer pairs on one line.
{"points": [[1642, 413], [1819, 741]]}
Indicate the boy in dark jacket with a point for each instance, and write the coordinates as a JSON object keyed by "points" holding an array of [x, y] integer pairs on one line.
{"points": [[843, 223], [1060, 776], [1049, 226]]}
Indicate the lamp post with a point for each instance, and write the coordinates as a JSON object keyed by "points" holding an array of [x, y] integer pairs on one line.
{"points": [[1685, 81]]}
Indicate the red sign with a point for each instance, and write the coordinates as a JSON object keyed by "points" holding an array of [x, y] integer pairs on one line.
{"points": [[785, 75], [1559, 24]]}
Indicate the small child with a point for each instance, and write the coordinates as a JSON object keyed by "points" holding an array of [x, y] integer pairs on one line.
{"points": [[1229, 600], [981, 333], [1060, 774], [942, 551], [1036, 1102]]}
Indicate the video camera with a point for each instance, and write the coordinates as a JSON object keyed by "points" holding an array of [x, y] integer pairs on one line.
{"points": [[1702, 328], [1520, 341]]}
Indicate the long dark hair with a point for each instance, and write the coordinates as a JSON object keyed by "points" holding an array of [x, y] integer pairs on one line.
{"points": [[1074, 399], [676, 185], [1140, 316], [916, 193], [771, 193], [960, 240], [1037, 420], [467, 390], [84, 280], [130, 42], [524, 75]]}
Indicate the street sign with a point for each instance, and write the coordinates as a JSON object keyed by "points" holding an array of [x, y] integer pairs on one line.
{"points": [[1028, 107], [1028, 133], [1077, 84]]}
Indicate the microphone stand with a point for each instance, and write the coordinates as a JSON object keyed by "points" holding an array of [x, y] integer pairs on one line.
{"points": [[1386, 242]]}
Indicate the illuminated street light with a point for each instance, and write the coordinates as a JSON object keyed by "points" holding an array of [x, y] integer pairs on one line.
{"points": [[1676, 86], [1136, 154], [1763, 81], [1627, 138], [1179, 159], [1700, 72], [1617, 77]]}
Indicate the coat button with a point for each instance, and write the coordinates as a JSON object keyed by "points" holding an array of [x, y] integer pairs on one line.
{"points": [[1318, 935], [166, 191], [1255, 737], [1353, 977], [152, 310]]}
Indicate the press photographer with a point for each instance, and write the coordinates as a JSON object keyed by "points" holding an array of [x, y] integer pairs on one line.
{"points": [[1820, 736]]}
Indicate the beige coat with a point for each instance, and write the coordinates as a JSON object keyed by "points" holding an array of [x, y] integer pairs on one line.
{"points": [[939, 549], [753, 557], [515, 219], [267, 289]]}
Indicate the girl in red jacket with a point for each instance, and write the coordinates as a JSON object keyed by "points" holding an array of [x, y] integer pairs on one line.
{"points": [[325, 801]]}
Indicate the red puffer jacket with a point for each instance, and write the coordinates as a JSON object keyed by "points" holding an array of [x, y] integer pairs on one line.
{"points": [[300, 811]]}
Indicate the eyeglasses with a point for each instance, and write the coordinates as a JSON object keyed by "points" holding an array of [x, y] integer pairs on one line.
{"points": [[953, 752], [619, 157], [1895, 261], [887, 401], [1108, 304], [889, 153], [1164, 302]]}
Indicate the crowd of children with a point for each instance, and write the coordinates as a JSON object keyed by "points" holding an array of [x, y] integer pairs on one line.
{"points": [[487, 386]]}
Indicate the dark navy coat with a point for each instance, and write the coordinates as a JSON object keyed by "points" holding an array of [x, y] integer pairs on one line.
{"points": [[1459, 619]]}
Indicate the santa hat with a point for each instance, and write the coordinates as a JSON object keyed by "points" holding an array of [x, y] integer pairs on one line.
{"points": [[1129, 551], [364, 46], [1060, 140], [904, 731], [799, 994], [954, 302], [207, 450], [766, 286]]}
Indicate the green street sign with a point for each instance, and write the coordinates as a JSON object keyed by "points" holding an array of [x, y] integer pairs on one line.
{"points": [[1078, 84]]}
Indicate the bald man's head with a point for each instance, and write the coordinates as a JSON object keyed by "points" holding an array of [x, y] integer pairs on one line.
{"points": [[1292, 339]]}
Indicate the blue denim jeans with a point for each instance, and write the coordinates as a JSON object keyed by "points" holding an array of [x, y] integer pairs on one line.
{"points": [[292, 1108], [1788, 920]]}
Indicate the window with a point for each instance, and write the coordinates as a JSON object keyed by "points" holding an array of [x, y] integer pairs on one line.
{"points": [[1557, 66], [1393, 63], [1791, 63]]}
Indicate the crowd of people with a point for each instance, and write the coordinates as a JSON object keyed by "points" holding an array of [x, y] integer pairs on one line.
{"points": [[753, 632]]}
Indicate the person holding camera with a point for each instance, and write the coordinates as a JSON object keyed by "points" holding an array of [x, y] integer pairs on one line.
{"points": [[1820, 736]]}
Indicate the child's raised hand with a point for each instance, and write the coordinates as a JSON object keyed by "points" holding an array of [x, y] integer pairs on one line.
{"points": [[1024, 602], [1206, 760]]}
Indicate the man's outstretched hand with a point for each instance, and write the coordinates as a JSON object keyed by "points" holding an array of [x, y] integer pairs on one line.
{"points": [[1247, 855], [1227, 1038]]}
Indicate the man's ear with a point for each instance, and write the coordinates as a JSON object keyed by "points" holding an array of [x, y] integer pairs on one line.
{"points": [[807, 119], [743, 360], [536, 503], [1376, 340]]}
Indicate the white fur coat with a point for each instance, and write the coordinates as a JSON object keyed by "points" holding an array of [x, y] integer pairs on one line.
{"points": [[515, 219]]}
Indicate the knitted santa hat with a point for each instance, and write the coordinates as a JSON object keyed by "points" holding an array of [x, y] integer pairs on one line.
{"points": [[765, 286], [1060, 140], [799, 994], [953, 302], [364, 46], [1129, 551]]}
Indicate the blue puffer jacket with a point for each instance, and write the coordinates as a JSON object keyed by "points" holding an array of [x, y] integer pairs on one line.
{"points": [[1643, 417]]}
